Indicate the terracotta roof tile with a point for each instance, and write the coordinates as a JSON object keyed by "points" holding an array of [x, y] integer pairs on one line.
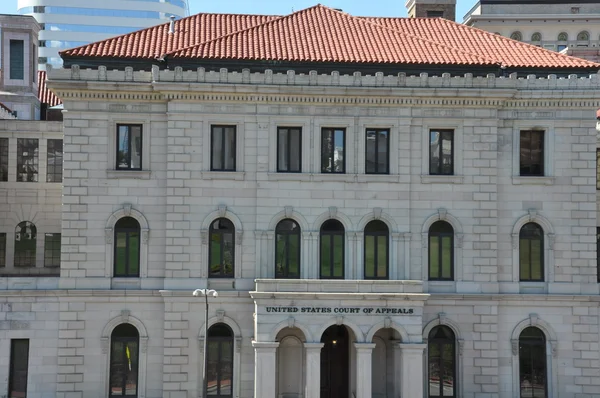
{"points": [[322, 34], [44, 94]]}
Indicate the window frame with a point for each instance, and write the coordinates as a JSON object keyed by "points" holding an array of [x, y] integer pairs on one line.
{"points": [[542, 254], [52, 251], [220, 340], [287, 235], [3, 239], [531, 342], [54, 174], [288, 148], [442, 132], [377, 236], [542, 165], [129, 126], [331, 156], [12, 365], [21, 161], [18, 229], [221, 234], [377, 130], [123, 339], [222, 149], [12, 67], [128, 231], [4, 150], [441, 342], [440, 236], [332, 234]]}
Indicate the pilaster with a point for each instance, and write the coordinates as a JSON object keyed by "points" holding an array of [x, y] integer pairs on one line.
{"points": [[265, 366], [313, 370], [412, 370], [364, 369]]}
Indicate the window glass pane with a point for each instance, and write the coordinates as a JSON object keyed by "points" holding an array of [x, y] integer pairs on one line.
{"points": [[382, 149], [121, 254], [434, 152], [536, 259], [524, 256], [217, 145], [280, 255], [17, 60], [229, 155], [434, 370], [215, 254], [25, 245], [212, 369], [338, 154], [326, 151], [134, 254], [27, 160], [325, 256], [136, 147], [447, 380], [123, 155], [531, 153], [382, 251], [434, 260], [446, 257], [131, 358], [282, 150], [295, 150], [371, 154], [54, 161], [117, 367], [338, 259], [597, 166], [2, 249], [3, 159], [52, 250], [294, 256], [19, 366], [369, 256], [226, 367], [228, 254], [447, 156]]}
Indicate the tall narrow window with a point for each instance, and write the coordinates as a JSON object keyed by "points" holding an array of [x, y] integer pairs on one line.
{"points": [[124, 359], [287, 249], [289, 149], [27, 160], [332, 250], [441, 152], [54, 161], [533, 373], [2, 249], [441, 353], [531, 253], [441, 252], [597, 253], [223, 148], [25, 241], [377, 157], [3, 159], [597, 169], [19, 367], [127, 248], [333, 150], [219, 372], [129, 147], [532, 153], [17, 60], [377, 237], [221, 252], [52, 250]]}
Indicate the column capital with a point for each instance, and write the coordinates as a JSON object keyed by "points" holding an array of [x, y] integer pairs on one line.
{"points": [[265, 345], [364, 346], [416, 348], [314, 346]]}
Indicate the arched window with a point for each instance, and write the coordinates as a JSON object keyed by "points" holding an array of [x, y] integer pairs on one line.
{"points": [[376, 250], [124, 351], [127, 248], [441, 362], [441, 252], [563, 36], [219, 369], [516, 36], [536, 37], [533, 374], [583, 36], [221, 251], [287, 249], [332, 250], [531, 253], [25, 241]]}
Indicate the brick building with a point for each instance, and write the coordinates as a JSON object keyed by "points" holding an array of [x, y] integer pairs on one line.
{"points": [[387, 207]]}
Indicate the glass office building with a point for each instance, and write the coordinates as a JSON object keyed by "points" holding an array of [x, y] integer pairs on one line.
{"points": [[72, 23]]}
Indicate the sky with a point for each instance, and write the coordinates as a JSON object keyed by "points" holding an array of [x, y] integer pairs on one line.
{"points": [[282, 7]]}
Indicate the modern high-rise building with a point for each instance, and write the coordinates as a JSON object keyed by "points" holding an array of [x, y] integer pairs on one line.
{"points": [[72, 23]]}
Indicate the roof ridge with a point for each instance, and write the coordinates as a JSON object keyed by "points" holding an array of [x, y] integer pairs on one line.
{"points": [[494, 61], [278, 18]]}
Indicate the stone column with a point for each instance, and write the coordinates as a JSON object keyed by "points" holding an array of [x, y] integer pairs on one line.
{"points": [[265, 366], [397, 352], [313, 370], [412, 370], [364, 368]]}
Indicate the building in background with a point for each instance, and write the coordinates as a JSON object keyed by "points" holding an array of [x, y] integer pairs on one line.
{"points": [[431, 9], [72, 23], [555, 25]]}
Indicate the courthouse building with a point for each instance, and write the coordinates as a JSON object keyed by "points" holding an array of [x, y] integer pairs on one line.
{"points": [[387, 207]]}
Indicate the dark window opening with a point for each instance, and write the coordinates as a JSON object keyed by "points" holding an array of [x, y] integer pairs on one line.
{"points": [[124, 361], [27, 160], [597, 254], [129, 147], [54, 162], [376, 250], [532, 153], [441, 252], [333, 150], [531, 253], [17, 59], [289, 149], [435, 14], [19, 368], [332, 256], [2, 249], [377, 156], [221, 250], [441, 152], [127, 248], [287, 250], [25, 244], [223, 147], [441, 353], [52, 250], [219, 369], [533, 374], [3, 159]]}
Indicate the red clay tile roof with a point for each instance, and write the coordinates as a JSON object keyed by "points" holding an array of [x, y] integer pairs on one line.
{"points": [[44, 94], [322, 34]]}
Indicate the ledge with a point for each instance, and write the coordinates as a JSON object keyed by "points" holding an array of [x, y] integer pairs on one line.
{"points": [[133, 174], [224, 175], [289, 176], [378, 178], [333, 177], [543, 180], [439, 179]]}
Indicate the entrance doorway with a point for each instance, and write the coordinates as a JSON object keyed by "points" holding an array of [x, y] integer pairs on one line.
{"points": [[335, 363]]}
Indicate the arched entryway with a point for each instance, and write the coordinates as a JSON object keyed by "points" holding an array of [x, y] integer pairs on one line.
{"points": [[290, 363], [335, 362]]}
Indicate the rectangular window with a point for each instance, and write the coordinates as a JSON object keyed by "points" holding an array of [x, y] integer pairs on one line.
{"points": [[333, 150], [223, 148], [531, 153], [3, 159], [52, 250], [377, 157], [129, 147], [441, 152], [17, 60], [597, 254], [435, 14], [2, 249], [27, 159], [19, 365], [54, 161], [597, 168], [289, 149]]}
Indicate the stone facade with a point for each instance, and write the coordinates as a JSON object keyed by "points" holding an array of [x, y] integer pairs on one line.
{"points": [[176, 196], [432, 8]]}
